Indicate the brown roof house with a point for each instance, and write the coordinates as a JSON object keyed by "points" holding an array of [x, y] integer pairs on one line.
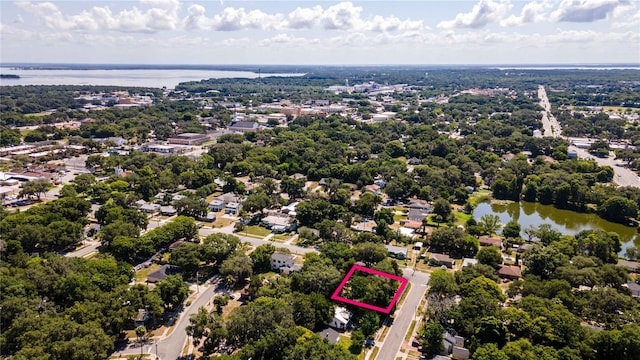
{"points": [[441, 259], [511, 272], [490, 241]]}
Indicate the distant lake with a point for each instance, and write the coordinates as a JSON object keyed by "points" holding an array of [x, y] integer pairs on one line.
{"points": [[154, 78], [529, 214]]}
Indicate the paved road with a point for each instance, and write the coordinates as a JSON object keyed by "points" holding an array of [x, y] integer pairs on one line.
{"points": [[92, 246], [170, 347], [622, 175], [254, 241], [404, 315], [550, 125]]}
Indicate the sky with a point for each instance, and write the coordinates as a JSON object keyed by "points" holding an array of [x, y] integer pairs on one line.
{"points": [[321, 32]]}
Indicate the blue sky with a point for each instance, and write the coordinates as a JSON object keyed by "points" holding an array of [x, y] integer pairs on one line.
{"points": [[321, 32]]}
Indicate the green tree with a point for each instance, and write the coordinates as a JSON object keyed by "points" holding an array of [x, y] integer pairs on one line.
{"points": [[618, 209], [173, 291], [490, 255], [511, 230], [442, 210], [489, 224], [431, 335], [35, 187], [489, 352], [369, 323], [357, 341], [369, 253], [491, 330], [367, 203], [261, 258], [442, 282], [238, 266], [83, 182]]}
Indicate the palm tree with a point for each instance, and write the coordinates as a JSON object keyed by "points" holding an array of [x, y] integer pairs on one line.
{"points": [[140, 333], [489, 224]]}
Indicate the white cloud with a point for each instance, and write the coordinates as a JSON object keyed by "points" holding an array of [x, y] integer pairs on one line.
{"points": [[303, 18], [631, 21], [483, 13], [532, 12], [12, 32], [196, 20], [342, 16], [233, 19], [288, 40], [162, 15], [586, 10], [233, 42]]}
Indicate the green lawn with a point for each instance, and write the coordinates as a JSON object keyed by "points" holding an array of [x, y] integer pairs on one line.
{"points": [[398, 218], [478, 197], [256, 230], [344, 341], [461, 218]]}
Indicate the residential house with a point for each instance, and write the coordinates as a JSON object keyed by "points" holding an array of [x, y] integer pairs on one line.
{"points": [[632, 266], [233, 208], [372, 188], [149, 208], [490, 241], [417, 214], [453, 345], [634, 287], [280, 260], [469, 262], [414, 161], [331, 335], [397, 252], [279, 224], [369, 226], [168, 210], [141, 317], [436, 259], [511, 272], [418, 210], [209, 217], [161, 273], [188, 139], [217, 205], [341, 318], [290, 209], [244, 126]]}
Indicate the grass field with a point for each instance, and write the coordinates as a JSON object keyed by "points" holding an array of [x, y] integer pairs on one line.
{"points": [[142, 274], [478, 197], [256, 231]]}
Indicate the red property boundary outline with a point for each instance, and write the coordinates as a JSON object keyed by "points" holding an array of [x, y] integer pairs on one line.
{"points": [[396, 296]]}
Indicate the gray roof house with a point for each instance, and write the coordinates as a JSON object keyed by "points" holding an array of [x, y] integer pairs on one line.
{"points": [[244, 126], [217, 205], [397, 252], [436, 259], [149, 208], [168, 210], [233, 208], [280, 260]]}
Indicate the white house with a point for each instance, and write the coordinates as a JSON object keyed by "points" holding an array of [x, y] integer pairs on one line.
{"points": [[217, 205], [280, 260], [341, 318]]}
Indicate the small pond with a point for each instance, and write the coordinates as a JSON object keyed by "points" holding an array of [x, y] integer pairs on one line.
{"points": [[566, 221]]}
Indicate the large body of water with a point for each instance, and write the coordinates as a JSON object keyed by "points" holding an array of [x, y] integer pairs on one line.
{"points": [[567, 222], [154, 78]]}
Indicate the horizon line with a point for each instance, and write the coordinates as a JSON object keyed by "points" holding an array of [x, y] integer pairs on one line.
{"points": [[9, 63]]}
